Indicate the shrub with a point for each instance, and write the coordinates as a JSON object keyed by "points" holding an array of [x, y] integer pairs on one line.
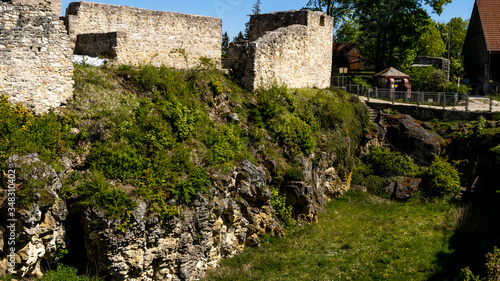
{"points": [[224, 144], [282, 211], [440, 179], [181, 117], [22, 132], [116, 161], [294, 174], [294, 135], [97, 193], [384, 162]]}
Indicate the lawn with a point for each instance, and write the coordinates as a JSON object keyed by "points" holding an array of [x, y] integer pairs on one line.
{"points": [[360, 237]]}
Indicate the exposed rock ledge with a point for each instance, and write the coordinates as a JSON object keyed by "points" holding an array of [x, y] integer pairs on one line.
{"points": [[238, 212]]}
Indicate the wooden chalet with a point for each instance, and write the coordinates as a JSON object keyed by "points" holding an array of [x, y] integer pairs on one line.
{"points": [[347, 55], [482, 47]]}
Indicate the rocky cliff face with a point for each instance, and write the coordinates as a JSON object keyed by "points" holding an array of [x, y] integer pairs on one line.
{"points": [[238, 211]]}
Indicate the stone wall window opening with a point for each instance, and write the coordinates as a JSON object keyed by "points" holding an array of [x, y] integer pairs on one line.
{"points": [[322, 21]]}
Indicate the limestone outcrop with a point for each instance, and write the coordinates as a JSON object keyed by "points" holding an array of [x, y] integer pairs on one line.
{"points": [[141, 247], [406, 134]]}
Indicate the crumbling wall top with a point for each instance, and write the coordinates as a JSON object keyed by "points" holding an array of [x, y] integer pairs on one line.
{"points": [[262, 23], [53, 6]]}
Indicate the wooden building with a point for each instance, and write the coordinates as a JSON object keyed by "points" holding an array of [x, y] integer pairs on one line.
{"points": [[482, 47], [347, 55], [392, 79]]}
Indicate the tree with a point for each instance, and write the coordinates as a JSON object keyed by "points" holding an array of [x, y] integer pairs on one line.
{"points": [[391, 28], [225, 43], [340, 10], [256, 8], [430, 42], [457, 35], [240, 37], [348, 31]]}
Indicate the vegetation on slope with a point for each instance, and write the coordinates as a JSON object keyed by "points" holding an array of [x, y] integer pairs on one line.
{"points": [[158, 134]]}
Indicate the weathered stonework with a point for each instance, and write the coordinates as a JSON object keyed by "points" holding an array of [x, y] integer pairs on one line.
{"points": [[35, 54], [440, 63], [294, 48], [144, 36]]}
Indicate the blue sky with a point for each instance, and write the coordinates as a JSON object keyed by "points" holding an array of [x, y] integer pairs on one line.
{"points": [[234, 12]]}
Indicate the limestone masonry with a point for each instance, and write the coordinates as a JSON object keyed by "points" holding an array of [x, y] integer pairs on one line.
{"points": [[35, 54], [36, 49], [137, 36], [293, 47]]}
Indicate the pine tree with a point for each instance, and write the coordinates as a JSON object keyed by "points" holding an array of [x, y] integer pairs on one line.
{"points": [[225, 44], [256, 8]]}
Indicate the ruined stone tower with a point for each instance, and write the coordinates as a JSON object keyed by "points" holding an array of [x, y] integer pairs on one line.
{"points": [[292, 47], [35, 54]]}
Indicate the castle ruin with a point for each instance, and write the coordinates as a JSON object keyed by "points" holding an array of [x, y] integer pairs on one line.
{"points": [[137, 36], [294, 48], [35, 54], [37, 45]]}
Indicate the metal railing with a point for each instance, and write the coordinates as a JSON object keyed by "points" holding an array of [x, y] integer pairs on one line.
{"points": [[418, 98]]}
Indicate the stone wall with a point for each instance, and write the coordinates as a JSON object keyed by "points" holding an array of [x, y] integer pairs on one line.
{"points": [[440, 63], [173, 39], [35, 54], [294, 48]]}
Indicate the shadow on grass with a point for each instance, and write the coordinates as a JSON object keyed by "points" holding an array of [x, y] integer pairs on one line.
{"points": [[477, 232]]}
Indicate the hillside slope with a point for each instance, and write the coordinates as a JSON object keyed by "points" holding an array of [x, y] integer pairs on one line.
{"points": [[154, 174]]}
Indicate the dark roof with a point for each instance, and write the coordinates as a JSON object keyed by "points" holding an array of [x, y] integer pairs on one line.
{"points": [[489, 14], [344, 48], [391, 72]]}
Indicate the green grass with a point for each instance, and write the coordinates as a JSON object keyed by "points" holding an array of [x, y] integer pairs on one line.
{"points": [[361, 237]]}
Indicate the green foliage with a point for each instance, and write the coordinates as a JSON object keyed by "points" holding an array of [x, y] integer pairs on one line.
{"points": [[97, 193], [224, 144], [492, 268], [65, 273], [480, 124], [451, 87], [358, 80], [271, 103], [116, 161], [294, 174], [384, 162], [294, 135], [427, 79], [216, 86], [22, 132], [60, 253], [375, 184], [282, 211], [430, 42], [440, 179], [359, 237], [182, 118]]}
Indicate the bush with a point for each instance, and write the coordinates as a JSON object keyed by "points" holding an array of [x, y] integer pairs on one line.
{"points": [[440, 179], [282, 211], [97, 193], [387, 163], [116, 161], [363, 175], [224, 144], [294, 135]]}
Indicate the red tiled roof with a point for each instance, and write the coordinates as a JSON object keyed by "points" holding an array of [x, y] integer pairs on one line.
{"points": [[489, 14]]}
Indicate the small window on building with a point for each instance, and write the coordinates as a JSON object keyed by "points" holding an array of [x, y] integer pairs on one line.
{"points": [[322, 21]]}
